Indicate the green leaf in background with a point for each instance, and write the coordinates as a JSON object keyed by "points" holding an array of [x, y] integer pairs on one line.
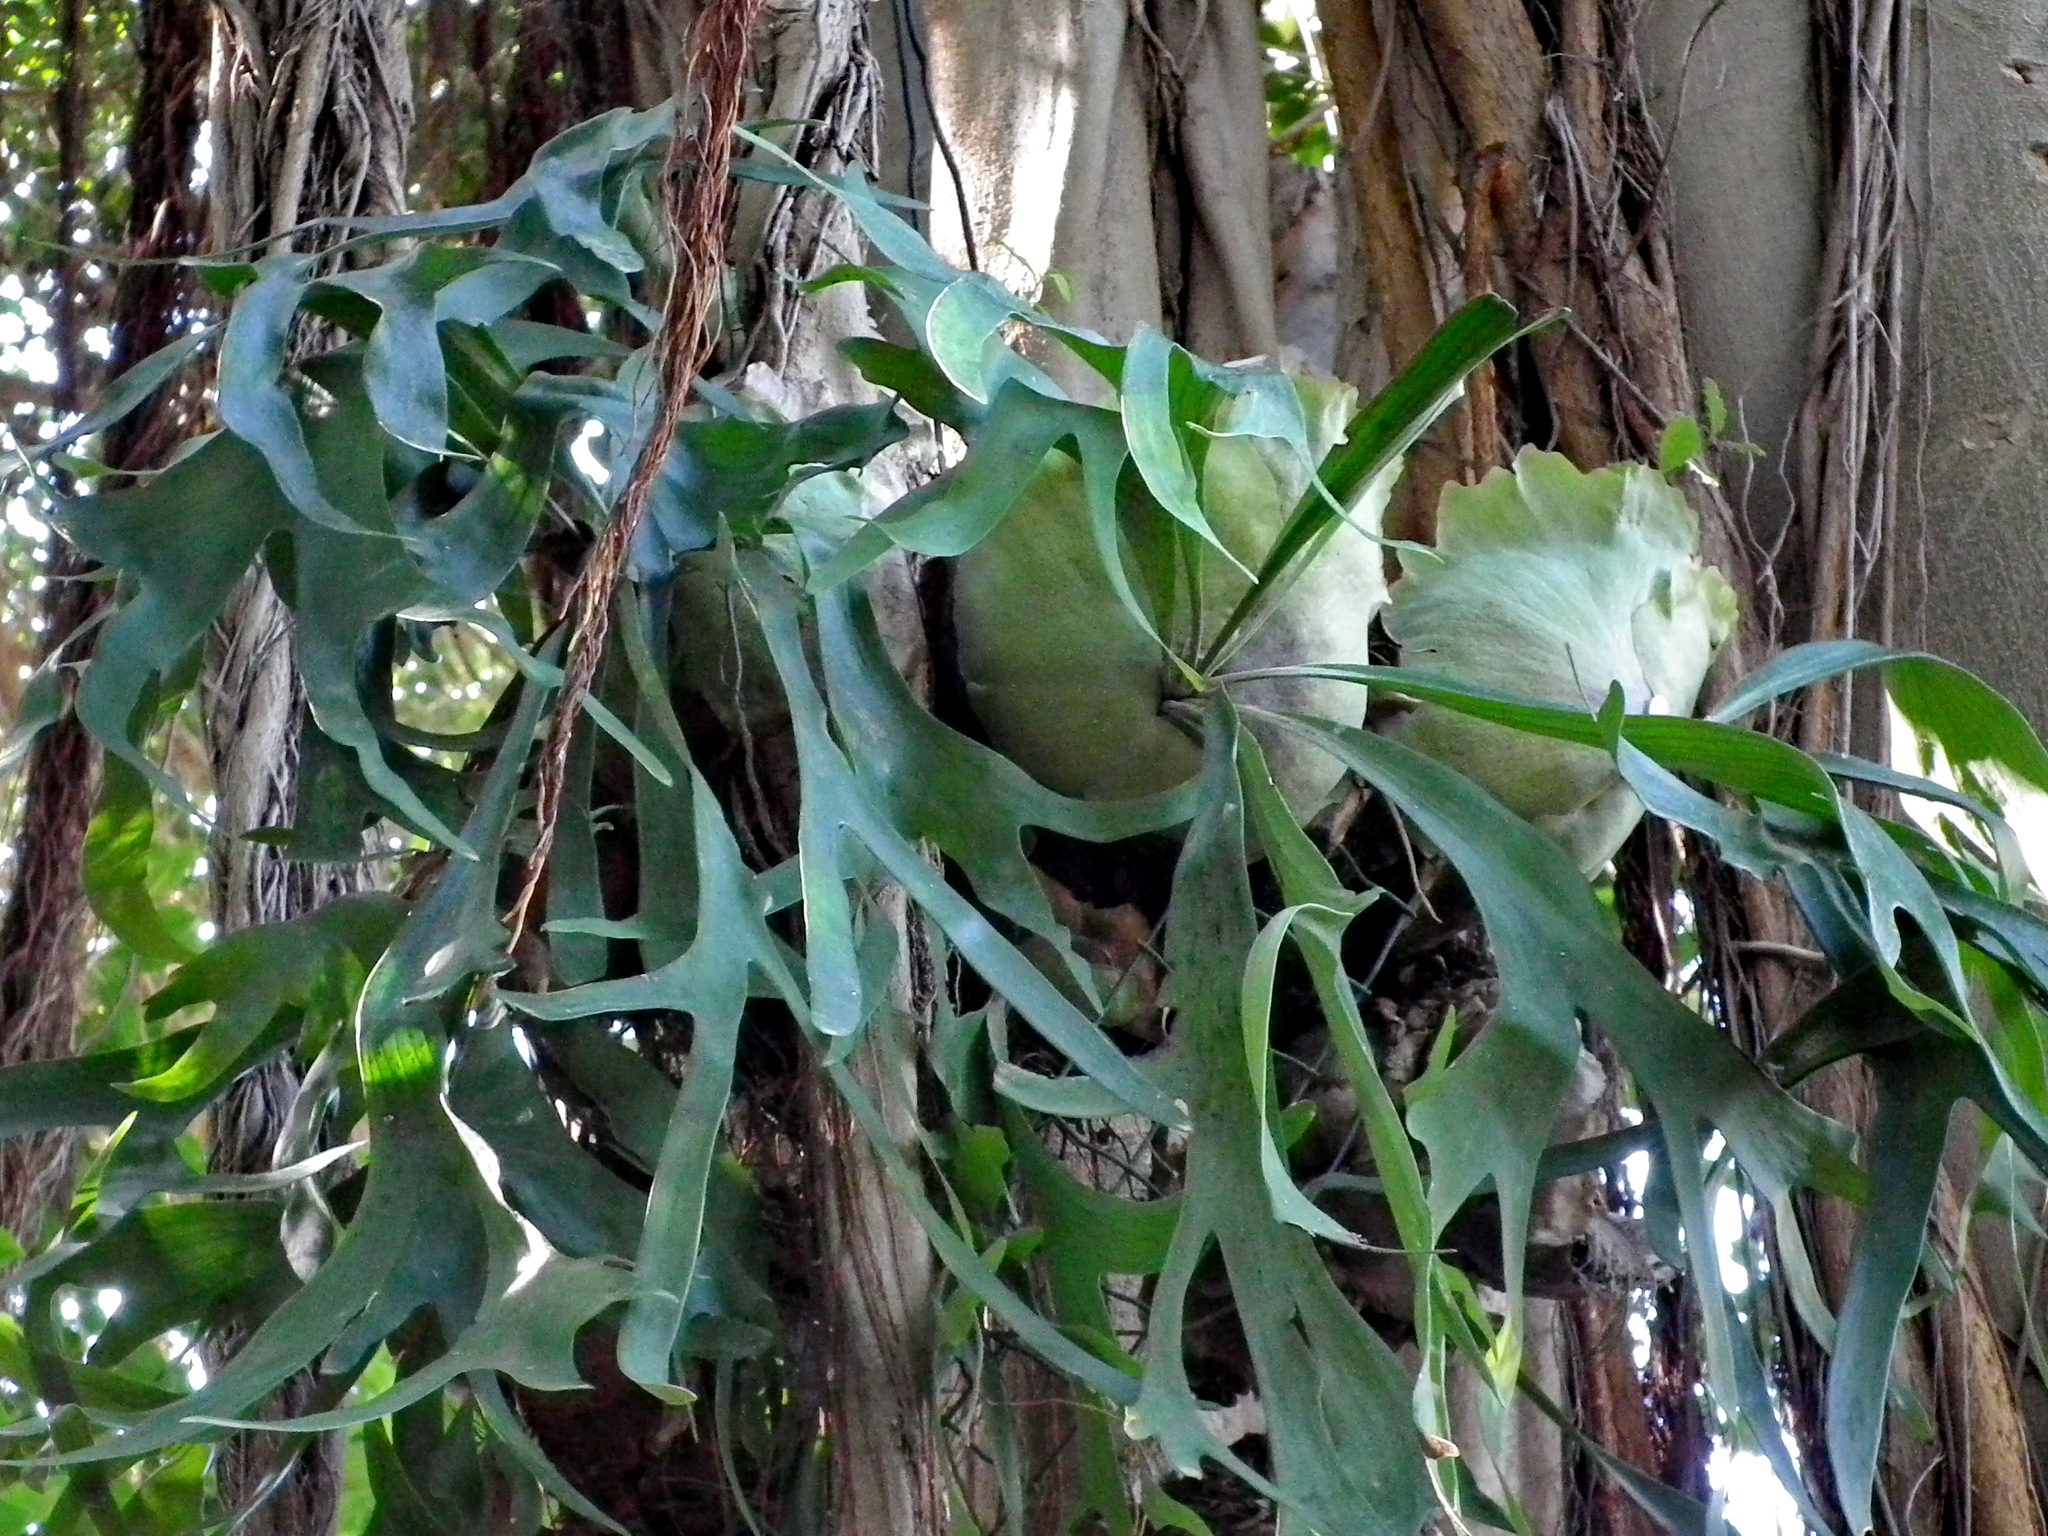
{"points": [[130, 392], [177, 1266], [116, 875], [1680, 448], [249, 976]]}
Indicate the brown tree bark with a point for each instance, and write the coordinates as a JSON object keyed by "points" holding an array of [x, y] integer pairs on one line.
{"points": [[42, 932]]}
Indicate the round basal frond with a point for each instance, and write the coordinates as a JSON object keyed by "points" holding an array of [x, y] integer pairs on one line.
{"points": [[1556, 584], [1067, 681]]}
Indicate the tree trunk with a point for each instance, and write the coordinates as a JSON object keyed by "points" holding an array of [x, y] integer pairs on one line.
{"points": [[42, 933], [872, 1364], [311, 112], [1122, 147], [43, 929], [875, 1380], [1981, 382], [1879, 160]]}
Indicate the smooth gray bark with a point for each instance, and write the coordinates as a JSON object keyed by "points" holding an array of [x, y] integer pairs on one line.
{"points": [[1731, 84], [1983, 345]]}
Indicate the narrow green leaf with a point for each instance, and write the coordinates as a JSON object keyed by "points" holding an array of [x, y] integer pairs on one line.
{"points": [[955, 512], [125, 395], [1255, 1007], [80, 1090], [1074, 1098], [249, 976], [401, 1509], [526, 343], [1389, 425], [513, 1433], [497, 283], [939, 786], [185, 560], [1346, 1458], [836, 807], [1916, 1091], [1743, 760], [402, 367], [40, 706], [622, 733], [575, 893]]}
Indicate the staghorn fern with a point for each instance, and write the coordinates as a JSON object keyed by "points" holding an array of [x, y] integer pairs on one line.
{"points": [[430, 1138]]}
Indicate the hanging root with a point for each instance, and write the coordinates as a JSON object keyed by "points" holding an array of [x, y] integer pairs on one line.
{"points": [[698, 204]]}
